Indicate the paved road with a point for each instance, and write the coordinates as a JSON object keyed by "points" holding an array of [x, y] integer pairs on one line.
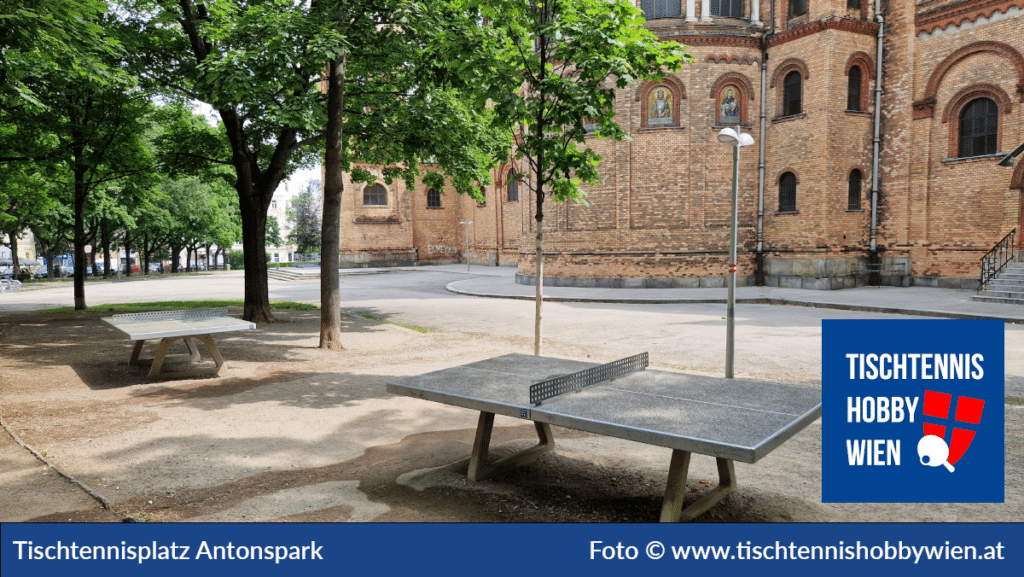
{"points": [[773, 341]]}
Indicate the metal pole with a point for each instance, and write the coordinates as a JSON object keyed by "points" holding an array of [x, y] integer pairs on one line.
{"points": [[731, 317]]}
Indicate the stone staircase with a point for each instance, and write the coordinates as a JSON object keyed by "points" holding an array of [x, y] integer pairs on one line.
{"points": [[292, 274], [1008, 287]]}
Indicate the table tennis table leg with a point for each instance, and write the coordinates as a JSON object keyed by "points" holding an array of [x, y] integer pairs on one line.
{"points": [[193, 350], [478, 467], [158, 358], [136, 351], [675, 491], [156, 372]]}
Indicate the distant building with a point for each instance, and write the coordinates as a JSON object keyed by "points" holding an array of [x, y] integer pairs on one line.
{"points": [[806, 71], [279, 206]]}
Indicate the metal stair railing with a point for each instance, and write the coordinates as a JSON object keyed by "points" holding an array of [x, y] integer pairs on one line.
{"points": [[996, 259]]}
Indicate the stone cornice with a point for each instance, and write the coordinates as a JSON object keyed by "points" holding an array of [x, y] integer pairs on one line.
{"points": [[753, 42], [726, 59], [956, 14], [833, 23]]}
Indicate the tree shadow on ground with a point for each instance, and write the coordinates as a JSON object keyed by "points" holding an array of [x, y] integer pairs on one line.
{"points": [[557, 488]]}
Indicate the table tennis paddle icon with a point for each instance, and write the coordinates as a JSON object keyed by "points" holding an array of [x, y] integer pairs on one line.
{"points": [[934, 451]]}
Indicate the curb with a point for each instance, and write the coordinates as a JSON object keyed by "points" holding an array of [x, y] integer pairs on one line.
{"points": [[751, 301], [88, 490]]}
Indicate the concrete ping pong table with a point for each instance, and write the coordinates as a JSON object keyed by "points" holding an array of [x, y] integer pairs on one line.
{"points": [[729, 419], [169, 326]]}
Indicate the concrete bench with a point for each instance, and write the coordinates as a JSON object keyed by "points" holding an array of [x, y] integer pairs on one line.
{"points": [[169, 326]]}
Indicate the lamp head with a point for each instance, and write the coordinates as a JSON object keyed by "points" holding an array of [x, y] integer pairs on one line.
{"points": [[730, 137]]}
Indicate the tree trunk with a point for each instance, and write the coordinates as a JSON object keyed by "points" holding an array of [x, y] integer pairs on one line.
{"points": [[15, 261], [127, 253], [539, 275], [144, 255], [175, 257], [105, 244], [47, 258], [254, 248], [330, 227], [79, 240], [538, 348]]}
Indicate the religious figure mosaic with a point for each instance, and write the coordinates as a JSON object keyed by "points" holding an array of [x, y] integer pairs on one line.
{"points": [[659, 108], [729, 107]]}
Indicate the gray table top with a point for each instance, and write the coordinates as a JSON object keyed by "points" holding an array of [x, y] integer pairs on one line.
{"points": [[183, 327], [728, 418]]}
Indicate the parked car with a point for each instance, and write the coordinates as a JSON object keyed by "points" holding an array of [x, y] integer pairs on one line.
{"points": [[58, 272]]}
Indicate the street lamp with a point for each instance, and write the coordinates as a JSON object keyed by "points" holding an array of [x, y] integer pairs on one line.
{"points": [[466, 224], [730, 137]]}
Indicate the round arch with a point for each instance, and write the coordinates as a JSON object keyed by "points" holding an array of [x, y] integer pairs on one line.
{"points": [[951, 114]]}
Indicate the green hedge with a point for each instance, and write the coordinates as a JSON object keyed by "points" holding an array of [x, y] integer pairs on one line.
{"points": [[236, 260]]}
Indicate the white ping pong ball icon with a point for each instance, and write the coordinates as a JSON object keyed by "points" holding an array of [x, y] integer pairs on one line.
{"points": [[934, 452]]}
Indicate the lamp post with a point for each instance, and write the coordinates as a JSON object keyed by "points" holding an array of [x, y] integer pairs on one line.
{"points": [[466, 224], [730, 137]]}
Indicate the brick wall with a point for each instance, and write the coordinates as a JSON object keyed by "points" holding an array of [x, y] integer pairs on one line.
{"points": [[663, 208]]}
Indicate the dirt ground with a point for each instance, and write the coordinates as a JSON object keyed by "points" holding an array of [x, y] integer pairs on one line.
{"points": [[292, 433]]}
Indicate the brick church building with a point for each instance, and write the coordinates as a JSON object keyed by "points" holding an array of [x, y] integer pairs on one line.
{"points": [[877, 130]]}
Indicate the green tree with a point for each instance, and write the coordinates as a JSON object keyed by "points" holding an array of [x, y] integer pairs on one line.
{"points": [[95, 132], [258, 65], [396, 99], [273, 232], [200, 209], [23, 200], [552, 65], [185, 142], [40, 37], [304, 218]]}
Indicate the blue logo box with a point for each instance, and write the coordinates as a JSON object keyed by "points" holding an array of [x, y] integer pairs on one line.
{"points": [[912, 411]]}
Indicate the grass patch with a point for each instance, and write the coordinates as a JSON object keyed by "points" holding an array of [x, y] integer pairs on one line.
{"points": [[689, 368], [182, 305], [410, 327]]}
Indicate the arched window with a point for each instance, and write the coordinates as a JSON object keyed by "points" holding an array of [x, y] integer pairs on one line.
{"points": [[727, 8], [375, 195], [853, 89], [797, 7], [787, 193], [433, 198], [791, 94], [513, 186], [979, 128], [853, 203], [654, 9], [483, 194]]}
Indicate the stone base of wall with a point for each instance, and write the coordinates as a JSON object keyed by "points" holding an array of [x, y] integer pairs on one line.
{"points": [[633, 283], [834, 273], [382, 258], [948, 283], [480, 258], [833, 283], [667, 266]]}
